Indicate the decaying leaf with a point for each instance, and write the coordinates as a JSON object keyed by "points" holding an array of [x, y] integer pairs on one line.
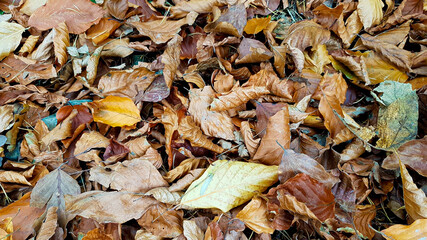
{"points": [[115, 111], [227, 184]]}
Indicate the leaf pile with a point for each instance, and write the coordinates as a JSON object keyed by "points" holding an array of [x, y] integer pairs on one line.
{"points": [[213, 119]]}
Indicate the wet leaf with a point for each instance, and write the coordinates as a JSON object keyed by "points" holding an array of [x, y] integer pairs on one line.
{"points": [[115, 111], [213, 188]]}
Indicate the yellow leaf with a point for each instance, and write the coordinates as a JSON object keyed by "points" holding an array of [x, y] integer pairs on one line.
{"points": [[254, 215], [370, 12], [10, 37], [6, 228], [417, 230], [61, 41], [415, 199], [115, 111], [228, 184], [256, 25]]}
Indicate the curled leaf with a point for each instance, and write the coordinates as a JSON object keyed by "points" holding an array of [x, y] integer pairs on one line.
{"points": [[237, 97]]}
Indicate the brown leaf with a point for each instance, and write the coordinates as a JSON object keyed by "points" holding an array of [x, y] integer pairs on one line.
{"points": [[161, 221], [62, 131], [183, 168], [79, 122], [252, 51], [187, 180], [214, 124], [126, 83], [415, 198], [332, 84], [412, 154], [231, 22], [250, 143], [79, 15], [115, 151], [25, 71], [95, 234], [333, 19], [255, 216], [293, 163], [278, 132], [256, 25], [22, 214], [192, 231], [191, 132], [171, 60], [29, 45], [6, 117], [200, 6], [164, 195], [362, 219], [134, 175], [87, 144], [237, 97], [161, 31], [61, 41], [49, 225], [102, 30], [330, 107], [116, 207], [302, 187], [117, 8]]}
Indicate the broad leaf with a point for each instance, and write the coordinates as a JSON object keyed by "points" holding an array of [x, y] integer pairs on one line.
{"points": [[115, 111], [10, 37]]}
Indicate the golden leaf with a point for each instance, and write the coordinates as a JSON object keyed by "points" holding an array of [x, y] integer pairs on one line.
{"points": [[228, 184], [102, 30], [6, 228], [115, 111], [237, 97], [416, 231], [256, 25], [162, 221], [183, 168], [10, 37], [30, 6], [415, 199], [61, 41], [254, 215], [191, 132], [370, 12], [29, 44]]}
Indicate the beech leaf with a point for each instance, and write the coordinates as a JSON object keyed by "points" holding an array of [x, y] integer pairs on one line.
{"points": [[115, 111], [10, 37]]}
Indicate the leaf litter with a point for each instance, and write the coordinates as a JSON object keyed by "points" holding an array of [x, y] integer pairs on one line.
{"points": [[213, 119]]}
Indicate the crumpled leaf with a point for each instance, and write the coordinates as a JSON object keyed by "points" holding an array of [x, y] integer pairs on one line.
{"points": [[417, 230], [252, 51], [29, 44], [238, 96], [10, 37], [200, 6], [227, 184], [370, 12], [62, 131], [161, 221], [362, 219], [278, 132], [183, 168], [255, 216], [31, 5], [161, 31], [215, 124], [61, 41], [103, 207], [79, 15], [50, 190], [134, 175], [412, 154], [231, 22], [256, 25], [398, 114], [171, 60], [188, 179], [192, 231], [6, 228], [191, 132], [293, 163], [162, 194], [115, 111], [126, 83], [250, 143], [415, 199], [117, 8]]}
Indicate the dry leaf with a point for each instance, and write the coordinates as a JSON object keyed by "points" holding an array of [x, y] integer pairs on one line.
{"points": [[115, 111], [255, 216], [188, 179], [6, 117], [362, 219], [200, 6], [276, 138], [95, 234], [143, 235], [192, 231], [415, 231], [231, 22], [62, 131], [171, 60], [49, 225], [134, 175], [10, 37], [161, 221], [29, 44], [412, 154], [252, 51], [370, 12], [61, 41], [161, 31], [415, 198], [238, 96], [191, 132], [117, 8], [162, 194], [183, 168], [227, 184], [31, 5], [79, 15], [87, 144], [102, 30], [117, 207], [250, 143], [256, 25]]}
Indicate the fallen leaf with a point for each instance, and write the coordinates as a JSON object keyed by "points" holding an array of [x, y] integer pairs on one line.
{"points": [[411, 154], [276, 138], [398, 114], [102, 30], [79, 15], [50, 190], [171, 60], [49, 225], [231, 22], [162, 194], [255, 216], [6, 228], [187, 180], [62, 131], [293, 163], [200, 6], [415, 231], [134, 175], [96, 233], [29, 44], [10, 37], [237, 97], [362, 219], [61, 41], [115, 111], [30, 6], [161, 221], [213, 188], [117, 8], [143, 235], [256, 25], [183, 168], [192, 231], [6, 117], [103, 207], [415, 198], [370, 12], [252, 51], [250, 143]]}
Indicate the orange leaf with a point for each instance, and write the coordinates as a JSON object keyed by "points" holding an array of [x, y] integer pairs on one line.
{"points": [[115, 111], [416, 231], [256, 25]]}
